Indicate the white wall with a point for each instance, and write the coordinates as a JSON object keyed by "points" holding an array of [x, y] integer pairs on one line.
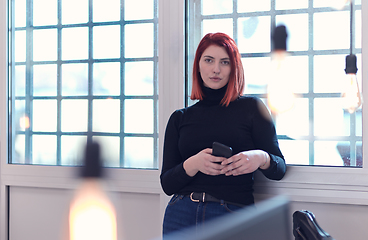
{"points": [[39, 195]]}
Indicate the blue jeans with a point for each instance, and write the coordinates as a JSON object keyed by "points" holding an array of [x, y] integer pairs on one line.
{"points": [[181, 213]]}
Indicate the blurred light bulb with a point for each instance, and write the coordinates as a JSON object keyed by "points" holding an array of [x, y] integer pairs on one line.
{"points": [[280, 96], [92, 215], [24, 122], [351, 96]]}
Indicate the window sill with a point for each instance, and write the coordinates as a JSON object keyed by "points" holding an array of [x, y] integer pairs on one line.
{"points": [[318, 184]]}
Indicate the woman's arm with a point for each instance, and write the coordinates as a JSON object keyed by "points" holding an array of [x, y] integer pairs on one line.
{"points": [[173, 176], [265, 138]]}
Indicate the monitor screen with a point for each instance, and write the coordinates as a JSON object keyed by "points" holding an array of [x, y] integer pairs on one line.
{"points": [[269, 220]]}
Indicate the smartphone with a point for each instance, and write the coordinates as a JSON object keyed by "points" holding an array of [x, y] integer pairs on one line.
{"points": [[221, 150]]}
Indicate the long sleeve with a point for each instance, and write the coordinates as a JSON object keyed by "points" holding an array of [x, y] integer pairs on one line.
{"points": [[173, 176], [265, 138]]}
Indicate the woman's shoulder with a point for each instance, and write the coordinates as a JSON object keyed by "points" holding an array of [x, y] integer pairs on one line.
{"points": [[248, 100]]}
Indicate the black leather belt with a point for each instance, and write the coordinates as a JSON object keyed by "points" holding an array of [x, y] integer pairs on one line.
{"points": [[204, 197]]}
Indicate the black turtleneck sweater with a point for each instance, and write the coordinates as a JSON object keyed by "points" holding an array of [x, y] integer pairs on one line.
{"points": [[242, 125]]}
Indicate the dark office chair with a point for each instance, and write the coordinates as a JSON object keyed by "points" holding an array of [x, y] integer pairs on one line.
{"points": [[305, 227]]}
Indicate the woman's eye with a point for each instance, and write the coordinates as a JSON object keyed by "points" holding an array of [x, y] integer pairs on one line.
{"points": [[208, 60], [226, 62]]}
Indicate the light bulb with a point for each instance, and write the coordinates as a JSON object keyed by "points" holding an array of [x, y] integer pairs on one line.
{"points": [[280, 97], [92, 216], [351, 96]]}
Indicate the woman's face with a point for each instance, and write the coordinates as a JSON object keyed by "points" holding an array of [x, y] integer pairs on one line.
{"points": [[214, 67]]}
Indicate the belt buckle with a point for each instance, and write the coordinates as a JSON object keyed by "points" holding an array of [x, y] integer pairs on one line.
{"points": [[195, 200]]}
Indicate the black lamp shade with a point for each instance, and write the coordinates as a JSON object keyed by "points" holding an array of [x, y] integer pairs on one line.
{"points": [[279, 36], [351, 64]]}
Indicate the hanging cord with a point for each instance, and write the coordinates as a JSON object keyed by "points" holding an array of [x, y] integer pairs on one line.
{"points": [[351, 25]]}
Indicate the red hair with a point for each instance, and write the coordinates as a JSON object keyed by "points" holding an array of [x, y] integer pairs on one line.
{"points": [[235, 86]]}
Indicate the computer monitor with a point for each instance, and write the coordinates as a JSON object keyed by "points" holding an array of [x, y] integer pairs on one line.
{"points": [[270, 220]]}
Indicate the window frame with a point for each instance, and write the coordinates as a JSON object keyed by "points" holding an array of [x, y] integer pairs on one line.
{"points": [[90, 98], [301, 183]]}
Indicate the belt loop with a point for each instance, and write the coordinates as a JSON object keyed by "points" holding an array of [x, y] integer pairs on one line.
{"points": [[204, 196]]}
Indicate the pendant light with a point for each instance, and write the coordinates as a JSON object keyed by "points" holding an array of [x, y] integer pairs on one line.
{"points": [[92, 215], [280, 96], [351, 95]]}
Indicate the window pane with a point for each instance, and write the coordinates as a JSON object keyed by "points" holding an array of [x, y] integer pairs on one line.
{"points": [[19, 80], [139, 40], [133, 9], [74, 79], [358, 27], [74, 115], [44, 149], [21, 119], [20, 10], [329, 118], [138, 78], [218, 25], [211, 7], [45, 80], [106, 115], [74, 11], [256, 78], [20, 46], [103, 12], [285, 122], [106, 78], [254, 6], [287, 4], [254, 34], [75, 43], [110, 154], [329, 73], [42, 17], [351, 154], [44, 115], [138, 116], [295, 152], [106, 41], [72, 150], [326, 154], [45, 45], [19, 155], [331, 34], [297, 30], [134, 156], [299, 71]]}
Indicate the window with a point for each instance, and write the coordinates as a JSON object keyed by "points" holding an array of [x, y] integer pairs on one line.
{"points": [[78, 70], [317, 130]]}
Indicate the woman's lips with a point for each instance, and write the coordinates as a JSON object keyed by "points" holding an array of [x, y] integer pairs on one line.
{"points": [[216, 79]]}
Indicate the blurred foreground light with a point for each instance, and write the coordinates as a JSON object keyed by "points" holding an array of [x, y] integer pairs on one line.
{"points": [[24, 122], [92, 215]]}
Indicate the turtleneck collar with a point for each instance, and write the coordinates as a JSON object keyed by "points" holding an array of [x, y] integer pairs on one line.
{"points": [[213, 96]]}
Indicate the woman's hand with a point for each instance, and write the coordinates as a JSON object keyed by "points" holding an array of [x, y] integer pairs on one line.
{"points": [[245, 162], [204, 162]]}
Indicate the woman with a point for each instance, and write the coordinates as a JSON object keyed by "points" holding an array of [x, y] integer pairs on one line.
{"points": [[206, 186]]}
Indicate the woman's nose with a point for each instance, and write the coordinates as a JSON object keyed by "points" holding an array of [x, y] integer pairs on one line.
{"points": [[216, 68]]}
